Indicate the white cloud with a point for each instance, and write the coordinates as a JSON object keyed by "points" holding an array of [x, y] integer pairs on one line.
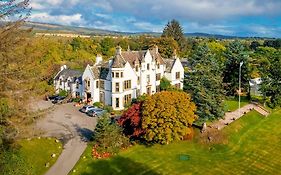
{"points": [[75, 19], [146, 26]]}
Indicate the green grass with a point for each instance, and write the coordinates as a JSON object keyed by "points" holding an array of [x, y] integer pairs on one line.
{"points": [[232, 104], [252, 147], [37, 152]]}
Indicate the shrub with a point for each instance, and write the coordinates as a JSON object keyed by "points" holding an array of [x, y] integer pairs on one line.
{"points": [[131, 121], [109, 109], [63, 93], [98, 104]]}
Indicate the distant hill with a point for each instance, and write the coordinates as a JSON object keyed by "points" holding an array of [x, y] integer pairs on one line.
{"points": [[55, 28]]}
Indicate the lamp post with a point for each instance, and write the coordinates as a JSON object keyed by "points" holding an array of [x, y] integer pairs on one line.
{"points": [[239, 91]]}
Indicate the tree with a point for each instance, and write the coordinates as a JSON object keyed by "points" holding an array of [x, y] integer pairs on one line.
{"points": [[271, 86], [204, 83], [108, 136], [254, 45], [165, 84], [167, 116], [131, 121], [107, 46], [173, 29], [12, 72], [235, 54]]}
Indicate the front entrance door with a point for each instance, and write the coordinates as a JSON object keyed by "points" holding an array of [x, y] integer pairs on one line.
{"points": [[88, 96]]}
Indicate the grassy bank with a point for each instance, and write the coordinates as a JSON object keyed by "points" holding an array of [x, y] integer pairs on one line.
{"points": [[253, 147]]}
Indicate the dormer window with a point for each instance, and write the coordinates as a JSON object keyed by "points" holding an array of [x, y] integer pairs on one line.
{"points": [[158, 66], [148, 66], [137, 68]]}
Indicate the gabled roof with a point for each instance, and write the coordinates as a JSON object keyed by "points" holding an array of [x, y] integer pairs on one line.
{"points": [[169, 64], [134, 57], [66, 73], [156, 56], [118, 61], [100, 71]]}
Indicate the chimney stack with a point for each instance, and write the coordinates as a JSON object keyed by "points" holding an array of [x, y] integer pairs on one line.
{"points": [[118, 50], [98, 59]]}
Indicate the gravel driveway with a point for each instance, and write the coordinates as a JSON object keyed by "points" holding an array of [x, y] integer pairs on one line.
{"points": [[73, 128]]}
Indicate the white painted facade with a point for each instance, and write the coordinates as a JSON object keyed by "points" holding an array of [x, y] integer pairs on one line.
{"points": [[128, 75]]}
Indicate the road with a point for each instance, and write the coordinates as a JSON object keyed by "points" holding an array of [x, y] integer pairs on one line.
{"points": [[73, 128]]}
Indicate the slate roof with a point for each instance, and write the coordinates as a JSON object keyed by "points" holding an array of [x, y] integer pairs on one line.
{"points": [[66, 73], [101, 70], [118, 61], [156, 56], [133, 56], [169, 64]]}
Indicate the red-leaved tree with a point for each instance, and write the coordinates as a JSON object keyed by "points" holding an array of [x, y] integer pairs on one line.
{"points": [[131, 121]]}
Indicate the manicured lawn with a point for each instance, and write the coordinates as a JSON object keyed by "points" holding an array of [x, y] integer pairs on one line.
{"points": [[252, 147], [232, 104], [37, 152]]}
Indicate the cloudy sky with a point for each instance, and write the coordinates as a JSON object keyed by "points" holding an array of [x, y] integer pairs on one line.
{"points": [[227, 17]]}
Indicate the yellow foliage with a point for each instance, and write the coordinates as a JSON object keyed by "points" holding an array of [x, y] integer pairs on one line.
{"points": [[168, 116]]}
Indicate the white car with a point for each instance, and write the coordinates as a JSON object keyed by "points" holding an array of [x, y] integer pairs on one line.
{"points": [[96, 112], [86, 108]]}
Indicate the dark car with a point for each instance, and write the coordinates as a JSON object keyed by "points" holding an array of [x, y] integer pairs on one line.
{"points": [[52, 97], [58, 100]]}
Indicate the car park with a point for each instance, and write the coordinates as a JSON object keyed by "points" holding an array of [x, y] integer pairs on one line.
{"points": [[58, 100], [86, 108]]}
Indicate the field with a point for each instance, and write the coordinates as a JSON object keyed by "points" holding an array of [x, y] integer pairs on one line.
{"points": [[37, 152], [253, 147]]}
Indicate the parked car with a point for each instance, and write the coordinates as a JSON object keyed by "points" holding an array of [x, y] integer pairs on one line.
{"points": [[96, 112], [58, 100], [86, 108], [52, 97]]}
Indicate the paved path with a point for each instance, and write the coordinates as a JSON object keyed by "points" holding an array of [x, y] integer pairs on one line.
{"points": [[232, 116], [73, 128]]}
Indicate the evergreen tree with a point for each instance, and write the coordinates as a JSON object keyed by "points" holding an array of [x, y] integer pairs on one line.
{"points": [[108, 136], [235, 54], [204, 83], [174, 30]]}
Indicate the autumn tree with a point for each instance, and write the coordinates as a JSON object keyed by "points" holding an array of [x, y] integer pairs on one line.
{"points": [[131, 121], [12, 73], [167, 116]]}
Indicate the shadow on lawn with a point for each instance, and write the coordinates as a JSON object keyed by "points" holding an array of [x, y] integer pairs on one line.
{"points": [[85, 133], [119, 166]]}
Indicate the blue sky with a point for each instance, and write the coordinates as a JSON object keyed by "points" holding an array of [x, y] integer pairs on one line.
{"points": [[227, 17]]}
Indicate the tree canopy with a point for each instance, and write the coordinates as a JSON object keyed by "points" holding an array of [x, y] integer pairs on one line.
{"points": [[174, 30], [167, 116], [235, 54], [204, 83]]}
